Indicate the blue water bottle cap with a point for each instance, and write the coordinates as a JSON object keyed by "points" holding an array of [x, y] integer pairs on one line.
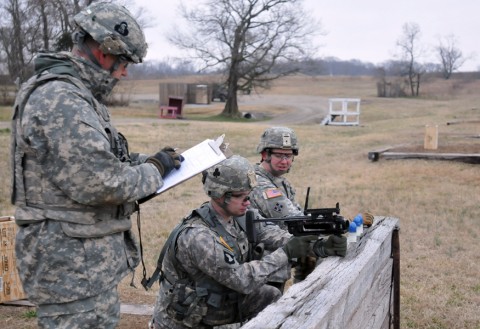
{"points": [[359, 219], [356, 220], [352, 228]]}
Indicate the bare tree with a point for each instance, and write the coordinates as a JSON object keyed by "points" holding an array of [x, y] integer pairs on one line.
{"points": [[410, 52], [31, 26], [12, 38], [245, 40], [451, 58]]}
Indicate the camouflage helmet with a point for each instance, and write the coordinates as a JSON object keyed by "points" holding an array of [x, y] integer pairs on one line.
{"points": [[278, 138], [234, 174], [114, 28]]}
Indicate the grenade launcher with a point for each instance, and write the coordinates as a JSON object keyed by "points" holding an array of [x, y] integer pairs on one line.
{"points": [[321, 221]]}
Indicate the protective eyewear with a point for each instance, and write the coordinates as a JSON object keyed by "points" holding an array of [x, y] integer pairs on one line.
{"points": [[243, 196], [125, 60], [282, 156]]}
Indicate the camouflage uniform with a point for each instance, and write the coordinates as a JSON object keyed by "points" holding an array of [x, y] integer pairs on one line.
{"points": [[208, 276], [274, 196], [204, 261], [75, 186]]}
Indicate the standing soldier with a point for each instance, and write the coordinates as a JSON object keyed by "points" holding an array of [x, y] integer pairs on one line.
{"points": [[75, 184], [206, 277], [274, 196]]}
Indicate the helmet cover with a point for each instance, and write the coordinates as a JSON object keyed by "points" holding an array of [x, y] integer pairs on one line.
{"points": [[234, 174], [278, 138], [114, 28]]}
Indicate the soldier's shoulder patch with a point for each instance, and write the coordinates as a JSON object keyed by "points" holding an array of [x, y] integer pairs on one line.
{"points": [[228, 257], [272, 193]]}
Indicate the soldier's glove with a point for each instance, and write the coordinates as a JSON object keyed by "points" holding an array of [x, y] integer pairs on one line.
{"points": [[299, 246], [335, 245], [166, 160]]}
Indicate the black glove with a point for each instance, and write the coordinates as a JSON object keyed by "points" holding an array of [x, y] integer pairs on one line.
{"points": [[299, 246], [177, 157], [335, 245], [166, 160]]}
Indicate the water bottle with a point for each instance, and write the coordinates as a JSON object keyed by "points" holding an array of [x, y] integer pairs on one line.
{"points": [[352, 233], [359, 222]]}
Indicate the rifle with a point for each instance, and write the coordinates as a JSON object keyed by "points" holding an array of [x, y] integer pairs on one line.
{"points": [[318, 221]]}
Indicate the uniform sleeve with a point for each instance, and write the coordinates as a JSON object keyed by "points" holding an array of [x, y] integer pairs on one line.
{"points": [[272, 236], [272, 201], [200, 250], [138, 158], [66, 133]]}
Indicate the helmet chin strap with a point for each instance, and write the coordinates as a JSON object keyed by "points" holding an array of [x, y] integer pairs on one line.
{"points": [[223, 206], [105, 88], [78, 38], [226, 202], [115, 65]]}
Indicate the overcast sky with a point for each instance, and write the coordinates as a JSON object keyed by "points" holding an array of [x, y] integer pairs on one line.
{"points": [[366, 30]]}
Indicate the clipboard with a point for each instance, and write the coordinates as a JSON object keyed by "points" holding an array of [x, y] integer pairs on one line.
{"points": [[197, 159]]}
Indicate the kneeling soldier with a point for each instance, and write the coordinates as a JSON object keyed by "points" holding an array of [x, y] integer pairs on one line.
{"points": [[207, 278]]}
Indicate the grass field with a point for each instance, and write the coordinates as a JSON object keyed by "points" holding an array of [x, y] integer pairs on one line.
{"points": [[437, 202]]}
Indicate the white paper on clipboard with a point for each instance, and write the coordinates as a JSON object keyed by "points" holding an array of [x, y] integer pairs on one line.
{"points": [[197, 159]]}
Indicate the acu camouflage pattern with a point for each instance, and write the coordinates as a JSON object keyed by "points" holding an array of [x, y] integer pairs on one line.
{"points": [[224, 177], [101, 311], [114, 28], [205, 257], [274, 196], [278, 138], [69, 181]]}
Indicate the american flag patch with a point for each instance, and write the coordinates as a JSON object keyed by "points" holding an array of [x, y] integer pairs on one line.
{"points": [[272, 193]]}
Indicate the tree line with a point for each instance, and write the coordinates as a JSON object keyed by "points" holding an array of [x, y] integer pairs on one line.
{"points": [[248, 42]]}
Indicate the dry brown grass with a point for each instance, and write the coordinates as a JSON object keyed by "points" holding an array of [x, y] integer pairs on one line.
{"points": [[437, 202]]}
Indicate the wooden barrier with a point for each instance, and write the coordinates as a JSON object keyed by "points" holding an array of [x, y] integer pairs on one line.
{"points": [[354, 292], [473, 158], [340, 113]]}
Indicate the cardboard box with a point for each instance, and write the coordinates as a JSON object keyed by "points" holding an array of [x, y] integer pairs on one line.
{"points": [[10, 286]]}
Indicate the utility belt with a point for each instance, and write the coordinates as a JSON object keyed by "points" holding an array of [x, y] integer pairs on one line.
{"points": [[194, 305], [80, 223]]}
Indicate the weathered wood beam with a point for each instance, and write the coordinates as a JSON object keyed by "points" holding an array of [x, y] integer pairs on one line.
{"points": [[462, 121], [375, 155], [462, 157], [348, 293]]}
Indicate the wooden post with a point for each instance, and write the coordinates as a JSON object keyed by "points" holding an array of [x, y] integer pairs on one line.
{"points": [[431, 137], [396, 278]]}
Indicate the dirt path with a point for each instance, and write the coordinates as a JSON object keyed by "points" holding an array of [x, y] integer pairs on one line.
{"points": [[298, 109], [289, 109]]}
